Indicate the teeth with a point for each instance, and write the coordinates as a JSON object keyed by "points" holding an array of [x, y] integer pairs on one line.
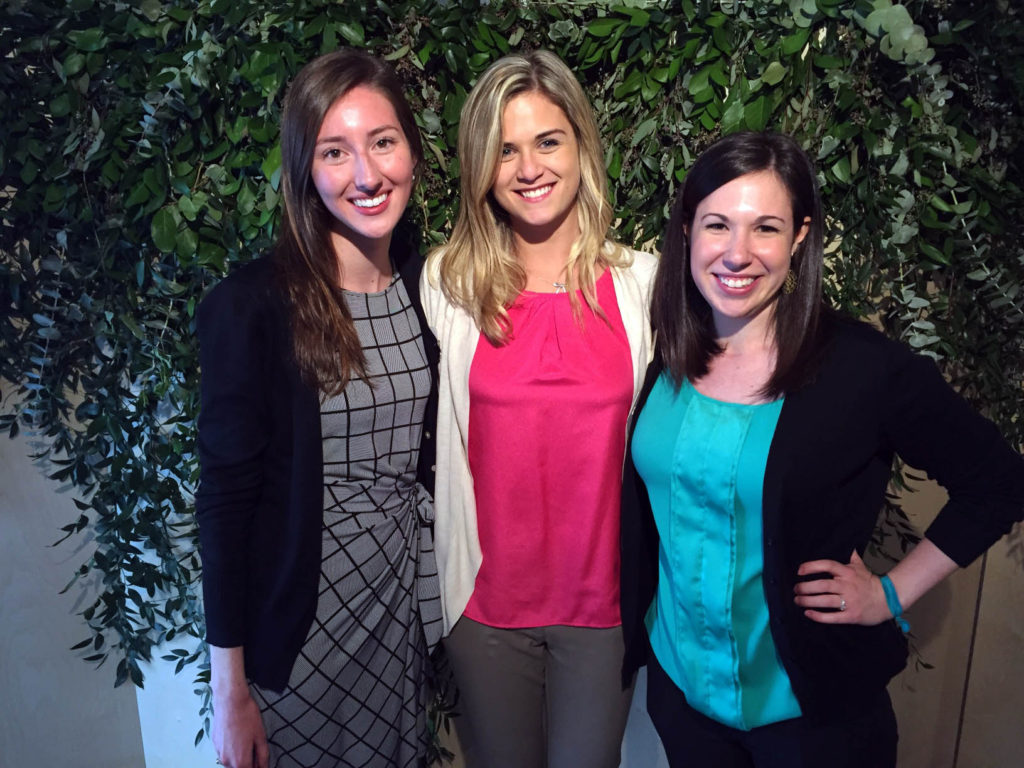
{"points": [[737, 282], [371, 202], [533, 194]]}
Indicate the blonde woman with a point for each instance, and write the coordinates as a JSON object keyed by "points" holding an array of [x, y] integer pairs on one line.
{"points": [[544, 334]]}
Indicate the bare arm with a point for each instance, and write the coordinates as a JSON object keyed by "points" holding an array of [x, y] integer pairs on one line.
{"points": [[854, 595], [238, 735]]}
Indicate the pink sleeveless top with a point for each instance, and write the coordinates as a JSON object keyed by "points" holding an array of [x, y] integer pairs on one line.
{"points": [[547, 430]]}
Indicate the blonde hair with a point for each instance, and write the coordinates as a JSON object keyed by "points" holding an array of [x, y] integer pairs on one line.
{"points": [[478, 267]]}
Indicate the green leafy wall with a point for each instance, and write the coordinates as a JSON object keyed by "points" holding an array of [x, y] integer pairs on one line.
{"points": [[138, 160]]}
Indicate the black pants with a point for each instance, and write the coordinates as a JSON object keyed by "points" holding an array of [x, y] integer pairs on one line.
{"points": [[692, 740]]}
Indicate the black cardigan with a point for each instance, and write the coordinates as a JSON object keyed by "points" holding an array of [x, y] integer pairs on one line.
{"points": [[260, 500], [825, 479]]}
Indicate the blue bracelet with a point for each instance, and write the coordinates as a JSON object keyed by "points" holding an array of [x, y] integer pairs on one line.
{"points": [[893, 601]]}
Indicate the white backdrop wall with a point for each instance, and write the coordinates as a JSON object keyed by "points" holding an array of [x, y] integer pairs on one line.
{"points": [[55, 710]]}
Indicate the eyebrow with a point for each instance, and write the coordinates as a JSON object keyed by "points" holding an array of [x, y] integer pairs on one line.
{"points": [[541, 135], [374, 132], [759, 219]]}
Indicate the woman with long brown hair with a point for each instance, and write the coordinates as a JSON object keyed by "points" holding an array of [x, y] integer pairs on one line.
{"points": [[319, 579]]}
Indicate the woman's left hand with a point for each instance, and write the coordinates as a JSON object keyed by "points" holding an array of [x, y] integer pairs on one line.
{"points": [[853, 595]]}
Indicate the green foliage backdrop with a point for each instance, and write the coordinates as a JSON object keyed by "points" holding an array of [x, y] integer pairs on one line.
{"points": [[138, 160]]}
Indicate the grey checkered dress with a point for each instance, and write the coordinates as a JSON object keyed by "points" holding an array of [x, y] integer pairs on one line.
{"points": [[356, 695]]}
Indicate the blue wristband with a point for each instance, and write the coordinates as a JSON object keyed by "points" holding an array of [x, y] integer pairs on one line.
{"points": [[893, 601]]}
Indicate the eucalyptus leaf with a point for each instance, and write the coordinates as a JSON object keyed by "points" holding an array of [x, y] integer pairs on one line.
{"points": [[643, 131], [828, 145], [841, 169], [600, 27], [271, 166], [353, 32], [87, 39], [803, 12], [755, 114], [774, 73], [164, 229], [733, 116]]}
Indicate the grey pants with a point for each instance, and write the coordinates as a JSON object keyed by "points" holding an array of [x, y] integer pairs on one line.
{"points": [[541, 697]]}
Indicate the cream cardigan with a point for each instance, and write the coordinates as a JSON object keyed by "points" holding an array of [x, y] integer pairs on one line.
{"points": [[455, 527]]}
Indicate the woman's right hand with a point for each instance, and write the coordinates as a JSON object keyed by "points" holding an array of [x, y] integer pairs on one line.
{"points": [[238, 735]]}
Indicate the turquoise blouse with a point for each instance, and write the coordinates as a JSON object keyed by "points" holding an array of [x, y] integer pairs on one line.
{"points": [[703, 462]]}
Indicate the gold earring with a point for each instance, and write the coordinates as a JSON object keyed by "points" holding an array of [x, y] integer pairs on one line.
{"points": [[789, 285]]}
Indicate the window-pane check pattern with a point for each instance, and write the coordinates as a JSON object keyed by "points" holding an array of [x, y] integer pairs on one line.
{"points": [[356, 695]]}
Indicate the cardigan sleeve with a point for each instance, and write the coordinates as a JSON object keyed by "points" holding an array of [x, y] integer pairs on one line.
{"points": [[638, 543], [934, 429], [234, 350], [431, 295]]}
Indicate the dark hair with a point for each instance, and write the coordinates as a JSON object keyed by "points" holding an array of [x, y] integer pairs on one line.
{"points": [[325, 341], [679, 313]]}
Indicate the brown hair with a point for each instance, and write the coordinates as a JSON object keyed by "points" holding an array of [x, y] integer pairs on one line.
{"points": [[680, 315], [325, 342]]}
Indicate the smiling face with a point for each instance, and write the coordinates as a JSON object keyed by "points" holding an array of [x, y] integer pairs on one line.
{"points": [[363, 168], [539, 174], [742, 241]]}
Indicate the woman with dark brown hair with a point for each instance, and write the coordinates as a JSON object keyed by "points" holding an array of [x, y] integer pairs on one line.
{"points": [[760, 455], [319, 578]]}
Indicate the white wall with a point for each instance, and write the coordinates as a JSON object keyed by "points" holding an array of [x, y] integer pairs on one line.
{"points": [[55, 710], [641, 747], [169, 719]]}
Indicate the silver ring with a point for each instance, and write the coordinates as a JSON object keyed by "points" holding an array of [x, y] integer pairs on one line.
{"points": [[842, 604]]}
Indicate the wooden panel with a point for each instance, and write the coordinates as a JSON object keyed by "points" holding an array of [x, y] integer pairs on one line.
{"points": [[928, 701], [993, 728]]}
